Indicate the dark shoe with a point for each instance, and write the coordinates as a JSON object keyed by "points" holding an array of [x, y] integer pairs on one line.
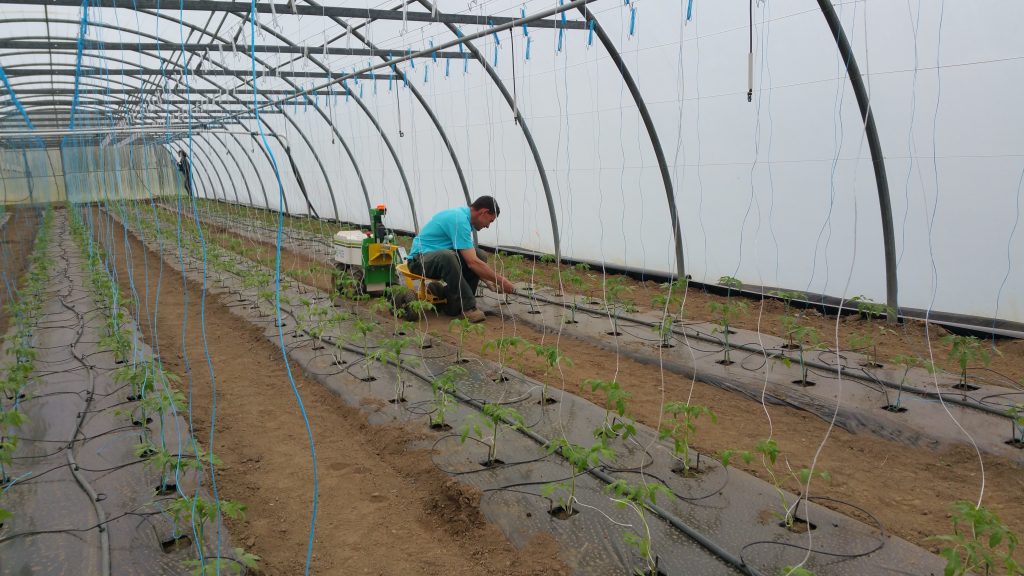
{"points": [[474, 315], [436, 289]]}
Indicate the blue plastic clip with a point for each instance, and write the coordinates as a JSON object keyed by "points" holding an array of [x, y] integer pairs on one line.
{"points": [[447, 67], [425, 71], [497, 40], [590, 33], [433, 54], [632, 20], [522, 14], [689, 10], [458, 34], [495, 56], [529, 41], [412, 61]]}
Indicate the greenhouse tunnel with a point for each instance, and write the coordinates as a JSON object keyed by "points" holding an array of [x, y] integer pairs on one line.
{"points": [[747, 297]]}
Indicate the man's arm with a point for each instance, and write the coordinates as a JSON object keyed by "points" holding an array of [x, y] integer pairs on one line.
{"points": [[484, 272]]}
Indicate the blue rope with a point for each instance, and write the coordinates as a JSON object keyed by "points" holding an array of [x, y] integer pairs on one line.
{"points": [[277, 291]]}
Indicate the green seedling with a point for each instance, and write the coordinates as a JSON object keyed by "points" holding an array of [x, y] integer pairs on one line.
{"points": [[581, 459], [574, 276], [730, 282], [554, 360], [505, 346], [768, 451], [444, 391], [364, 328], [807, 338], [671, 295], [464, 326], [869, 309], [615, 401], [980, 543], [513, 266], [197, 512], [728, 454], [491, 418], [639, 497], [908, 363], [614, 288], [727, 312], [787, 297], [1016, 414], [390, 352], [680, 425], [548, 259], [664, 330], [417, 310], [965, 350], [867, 343]]}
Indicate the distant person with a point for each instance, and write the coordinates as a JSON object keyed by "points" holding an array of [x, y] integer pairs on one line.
{"points": [[186, 174], [444, 249]]}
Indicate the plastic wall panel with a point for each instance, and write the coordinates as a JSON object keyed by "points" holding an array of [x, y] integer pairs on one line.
{"points": [[778, 191]]}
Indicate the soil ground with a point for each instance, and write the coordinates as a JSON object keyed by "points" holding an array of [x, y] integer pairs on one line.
{"points": [[16, 241], [383, 508], [908, 489]]}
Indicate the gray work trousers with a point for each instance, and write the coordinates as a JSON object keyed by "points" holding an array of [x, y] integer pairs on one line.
{"points": [[460, 281]]}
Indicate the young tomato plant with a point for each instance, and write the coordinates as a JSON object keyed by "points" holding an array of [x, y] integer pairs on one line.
{"points": [[727, 313], [580, 458], [868, 308], [908, 363], [363, 328], [680, 425], [730, 282], [491, 419], [868, 344], [671, 295], [505, 346], [615, 400], [554, 360], [807, 338], [574, 276], [964, 350], [1016, 413], [464, 326], [980, 543], [197, 512], [444, 390], [614, 289], [638, 498], [390, 352]]}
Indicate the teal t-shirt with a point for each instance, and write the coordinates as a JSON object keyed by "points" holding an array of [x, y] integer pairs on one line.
{"points": [[447, 230]]}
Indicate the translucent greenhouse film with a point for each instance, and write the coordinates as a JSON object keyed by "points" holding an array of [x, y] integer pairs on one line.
{"points": [[564, 287]]}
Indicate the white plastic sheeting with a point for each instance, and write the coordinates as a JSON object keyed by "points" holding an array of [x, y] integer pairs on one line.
{"points": [[778, 191]]}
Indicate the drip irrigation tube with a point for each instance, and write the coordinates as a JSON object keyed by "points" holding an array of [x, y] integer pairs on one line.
{"points": [[951, 398]]}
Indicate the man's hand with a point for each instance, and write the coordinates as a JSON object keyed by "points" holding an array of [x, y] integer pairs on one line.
{"points": [[507, 287], [502, 286]]}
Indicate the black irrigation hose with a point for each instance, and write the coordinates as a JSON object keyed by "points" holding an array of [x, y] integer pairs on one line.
{"points": [[947, 397], [878, 525], [100, 515]]}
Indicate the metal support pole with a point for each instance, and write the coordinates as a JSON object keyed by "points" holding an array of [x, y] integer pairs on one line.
{"points": [[877, 158]]}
